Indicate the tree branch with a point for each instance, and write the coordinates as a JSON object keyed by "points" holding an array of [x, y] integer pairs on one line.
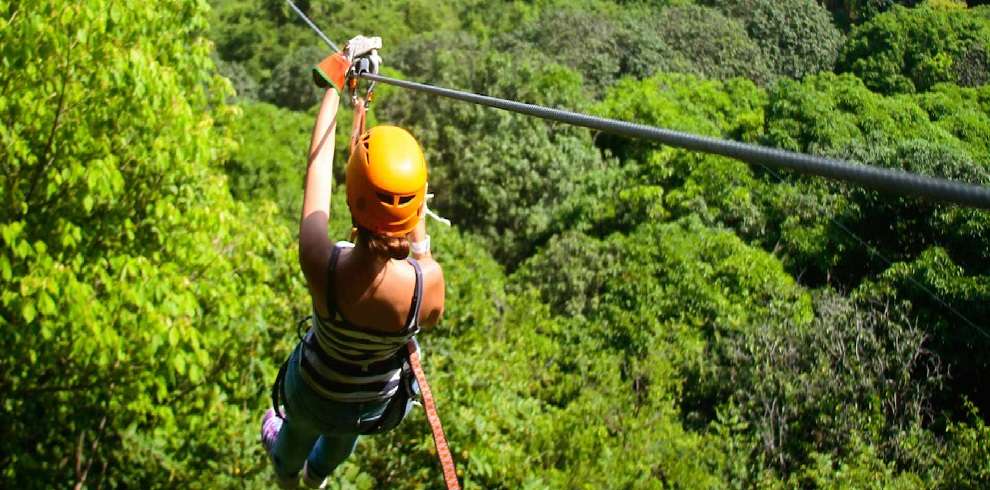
{"points": [[92, 449], [49, 158]]}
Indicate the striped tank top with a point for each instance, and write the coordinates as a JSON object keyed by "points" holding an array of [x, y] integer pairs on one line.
{"points": [[344, 362]]}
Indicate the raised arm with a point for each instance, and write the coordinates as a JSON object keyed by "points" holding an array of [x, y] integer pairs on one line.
{"points": [[434, 290], [314, 244]]}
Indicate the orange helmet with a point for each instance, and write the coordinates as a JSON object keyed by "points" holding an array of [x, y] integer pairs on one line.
{"points": [[386, 181]]}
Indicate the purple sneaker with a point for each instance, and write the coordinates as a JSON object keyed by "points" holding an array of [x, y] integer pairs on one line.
{"points": [[271, 424]]}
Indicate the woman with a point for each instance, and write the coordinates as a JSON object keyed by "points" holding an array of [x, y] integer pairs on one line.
{"points": [[346, 377]]}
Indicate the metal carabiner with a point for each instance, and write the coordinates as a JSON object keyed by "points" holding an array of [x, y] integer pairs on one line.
{"points": [[368, 63]]}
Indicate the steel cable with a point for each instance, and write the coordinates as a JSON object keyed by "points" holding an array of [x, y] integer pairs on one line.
{"points": [[882, 179], [312, 25]]}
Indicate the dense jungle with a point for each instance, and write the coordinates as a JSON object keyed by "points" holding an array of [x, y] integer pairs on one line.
{"points": [[620, 314]]}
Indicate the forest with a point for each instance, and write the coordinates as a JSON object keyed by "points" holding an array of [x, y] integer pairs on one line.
{"points": [[620, 313]]}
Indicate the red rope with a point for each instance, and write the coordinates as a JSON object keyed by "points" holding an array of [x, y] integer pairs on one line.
{"points": [[443, 451], [359, 118]]}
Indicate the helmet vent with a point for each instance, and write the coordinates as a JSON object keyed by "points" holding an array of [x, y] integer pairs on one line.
{"points": [[385, 198], [403, 200]]}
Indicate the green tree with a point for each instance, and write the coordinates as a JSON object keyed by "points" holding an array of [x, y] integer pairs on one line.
{"points": [[291, 84], [850, 13], [139, 299], [837, 115], [717, 46], [269, 162], [264, 43], [857, 374], [888, 246], [663, 182], [909, 50], [797, 37], [968, 453], [600, 42]]}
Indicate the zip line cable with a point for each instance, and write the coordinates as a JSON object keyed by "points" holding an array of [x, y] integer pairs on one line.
{"points": [[895, 181], [311, 24], [877, 178]]}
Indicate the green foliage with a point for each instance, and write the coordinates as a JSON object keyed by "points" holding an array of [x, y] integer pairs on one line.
{"points": [[270, 160], [964, 113], [850, 13], [690, 286], [656, 328], [909, 50], [934, 134], [602, 46], [797, 37], [953, 321], [268, 51], [583, 40], [693, 286], [862, 468], [291, 83], [571, 273], [667, 182], [245, 86], [136, 292], [502, 175], [717, 46], [968, 454], [824, 114], [857, 374], [260, 47]]}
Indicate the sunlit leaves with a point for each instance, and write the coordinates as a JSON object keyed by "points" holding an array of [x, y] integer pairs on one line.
{"points": [[126, 263]]}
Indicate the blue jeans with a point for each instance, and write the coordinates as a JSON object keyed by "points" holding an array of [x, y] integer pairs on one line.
{"points": [[321, 431]]}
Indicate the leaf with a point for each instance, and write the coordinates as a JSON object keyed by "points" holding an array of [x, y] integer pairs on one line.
{"points": [[5, 271], [45, 304], [179, 364], [28, 312]]}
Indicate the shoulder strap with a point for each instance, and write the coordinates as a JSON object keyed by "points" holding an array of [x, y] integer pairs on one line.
{"points": [[412, 321], [331, 298]]}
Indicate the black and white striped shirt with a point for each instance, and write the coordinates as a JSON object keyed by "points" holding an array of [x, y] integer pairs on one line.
{"points": [[345, 362]]}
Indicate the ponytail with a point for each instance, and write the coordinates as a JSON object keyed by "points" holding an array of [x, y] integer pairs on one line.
{"points": [[383, 246]]}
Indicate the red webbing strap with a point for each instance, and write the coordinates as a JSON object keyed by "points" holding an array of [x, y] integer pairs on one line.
{"points": [[443, 451], [359, 118]]}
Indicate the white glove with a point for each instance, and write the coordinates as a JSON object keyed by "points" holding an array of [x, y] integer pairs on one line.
{"points": [[360, 45]]}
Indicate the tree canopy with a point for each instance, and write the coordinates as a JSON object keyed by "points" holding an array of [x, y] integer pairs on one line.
{"points": [[619, 314]]}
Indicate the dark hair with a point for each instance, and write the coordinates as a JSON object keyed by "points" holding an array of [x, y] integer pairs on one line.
{"points": [[383, 246]]}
